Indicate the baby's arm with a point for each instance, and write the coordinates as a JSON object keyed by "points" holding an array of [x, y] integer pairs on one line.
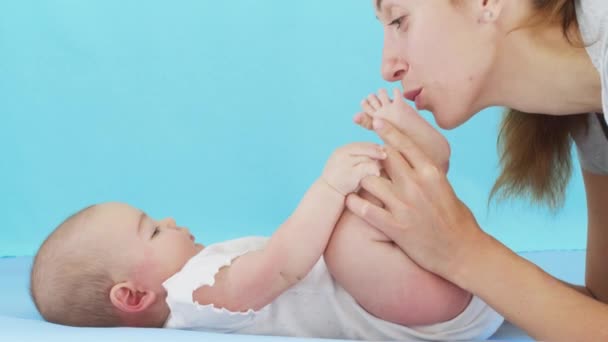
{"points": [[257, 278]]}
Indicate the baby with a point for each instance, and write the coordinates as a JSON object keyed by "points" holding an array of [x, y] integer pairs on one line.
{"points": [[323, 273]]}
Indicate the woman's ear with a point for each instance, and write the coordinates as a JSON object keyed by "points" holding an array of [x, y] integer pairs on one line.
{"points": [[127, 298]]}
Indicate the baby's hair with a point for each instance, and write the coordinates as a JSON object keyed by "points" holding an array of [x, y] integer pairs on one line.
{"points": [[70, 283]]}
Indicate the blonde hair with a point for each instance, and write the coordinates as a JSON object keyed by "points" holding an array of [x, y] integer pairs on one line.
{"points": [[535, 149], [70, 283]]}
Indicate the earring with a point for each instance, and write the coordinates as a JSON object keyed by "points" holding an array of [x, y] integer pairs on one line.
{"points": [[488, 15]]}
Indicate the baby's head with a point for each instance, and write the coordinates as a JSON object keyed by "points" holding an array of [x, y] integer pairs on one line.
{"points": [[105, 265]]}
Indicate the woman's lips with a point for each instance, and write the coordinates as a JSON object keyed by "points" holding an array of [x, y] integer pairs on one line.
{"points": [[412, 94], [415, 96]]}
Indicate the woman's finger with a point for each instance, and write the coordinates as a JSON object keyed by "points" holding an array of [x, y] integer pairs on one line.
{"points": [[376, 216], [387, 192], [397, 168], [401, 142], [364, 194]]}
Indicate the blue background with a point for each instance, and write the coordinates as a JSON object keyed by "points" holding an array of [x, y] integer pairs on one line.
{"points": [[217, 113]]}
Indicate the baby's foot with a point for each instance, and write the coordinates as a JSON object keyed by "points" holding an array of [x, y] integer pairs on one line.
{"points": [[408, 121]]}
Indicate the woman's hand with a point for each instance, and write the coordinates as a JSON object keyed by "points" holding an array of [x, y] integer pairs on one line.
{"points": [[421, 213]]}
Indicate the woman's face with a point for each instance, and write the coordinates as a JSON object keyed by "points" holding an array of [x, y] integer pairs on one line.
{"points": [[441, 51]]}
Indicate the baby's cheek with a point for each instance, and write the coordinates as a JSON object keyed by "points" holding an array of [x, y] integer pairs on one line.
{"points": [[146, 270], [185, 253]]}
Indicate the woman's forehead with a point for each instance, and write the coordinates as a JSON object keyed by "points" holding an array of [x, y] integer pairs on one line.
{"points": [[385, 6]]}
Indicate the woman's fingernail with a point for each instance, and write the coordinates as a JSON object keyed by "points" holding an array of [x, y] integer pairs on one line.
{"points": [[378, 124], [381, 152]]}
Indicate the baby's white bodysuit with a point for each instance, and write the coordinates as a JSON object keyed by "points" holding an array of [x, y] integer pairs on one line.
{"points": [[315, 307]]}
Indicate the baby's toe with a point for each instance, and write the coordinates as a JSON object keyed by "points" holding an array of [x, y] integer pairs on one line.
{"points": [[367, 107], [364, 120], [383, 96], [374, 102]]}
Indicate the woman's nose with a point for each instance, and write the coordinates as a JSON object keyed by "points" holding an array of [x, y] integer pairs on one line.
{"points": [[392, 70], [394, 67]]}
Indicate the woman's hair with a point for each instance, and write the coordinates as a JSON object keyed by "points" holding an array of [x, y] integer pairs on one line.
{"points": [[535, 149]]}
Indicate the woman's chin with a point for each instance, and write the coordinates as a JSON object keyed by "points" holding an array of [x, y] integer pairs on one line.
{"points": [[449, 119], [444, 122]]}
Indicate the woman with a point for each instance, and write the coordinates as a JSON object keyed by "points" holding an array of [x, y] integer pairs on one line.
{"points": [[456, 57]]}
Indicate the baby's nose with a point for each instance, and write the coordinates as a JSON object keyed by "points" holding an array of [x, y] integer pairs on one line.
{"points": [[187, 232], [183, 230], [167, 222]]}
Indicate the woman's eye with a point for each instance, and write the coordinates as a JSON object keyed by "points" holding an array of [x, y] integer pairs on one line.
{"points": [[397, 22], [156, 231]]}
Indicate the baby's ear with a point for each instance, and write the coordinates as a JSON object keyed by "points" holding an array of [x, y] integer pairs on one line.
{"points": [[127, 298]]}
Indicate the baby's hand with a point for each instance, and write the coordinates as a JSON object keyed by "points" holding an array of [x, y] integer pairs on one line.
{"points": [[351, 163], [408, 121]]}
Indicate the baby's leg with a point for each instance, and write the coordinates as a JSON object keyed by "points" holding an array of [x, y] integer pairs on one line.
{"points": [[407, 120], [384, 280], [376, 272]]}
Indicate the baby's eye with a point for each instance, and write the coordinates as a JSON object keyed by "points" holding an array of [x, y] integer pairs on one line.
{"points": [[156, 231]]}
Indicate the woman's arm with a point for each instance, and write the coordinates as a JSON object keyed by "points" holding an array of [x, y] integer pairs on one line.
{"points": [[426, 219], [596, 272], [579, 288], [596, 188], [539, 303], [543, 306]]}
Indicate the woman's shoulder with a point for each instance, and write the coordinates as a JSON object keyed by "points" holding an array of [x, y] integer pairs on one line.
{"points": [[592, 144], [592, 15], [592, 18]]}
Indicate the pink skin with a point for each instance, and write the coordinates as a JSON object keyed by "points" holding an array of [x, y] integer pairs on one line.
{"points": [[447, 70], [467, 55], [145, 252], [408, 121], [166, 249]]}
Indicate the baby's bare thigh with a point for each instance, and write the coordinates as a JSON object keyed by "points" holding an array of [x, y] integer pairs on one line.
{"points": [[384, 280]]}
